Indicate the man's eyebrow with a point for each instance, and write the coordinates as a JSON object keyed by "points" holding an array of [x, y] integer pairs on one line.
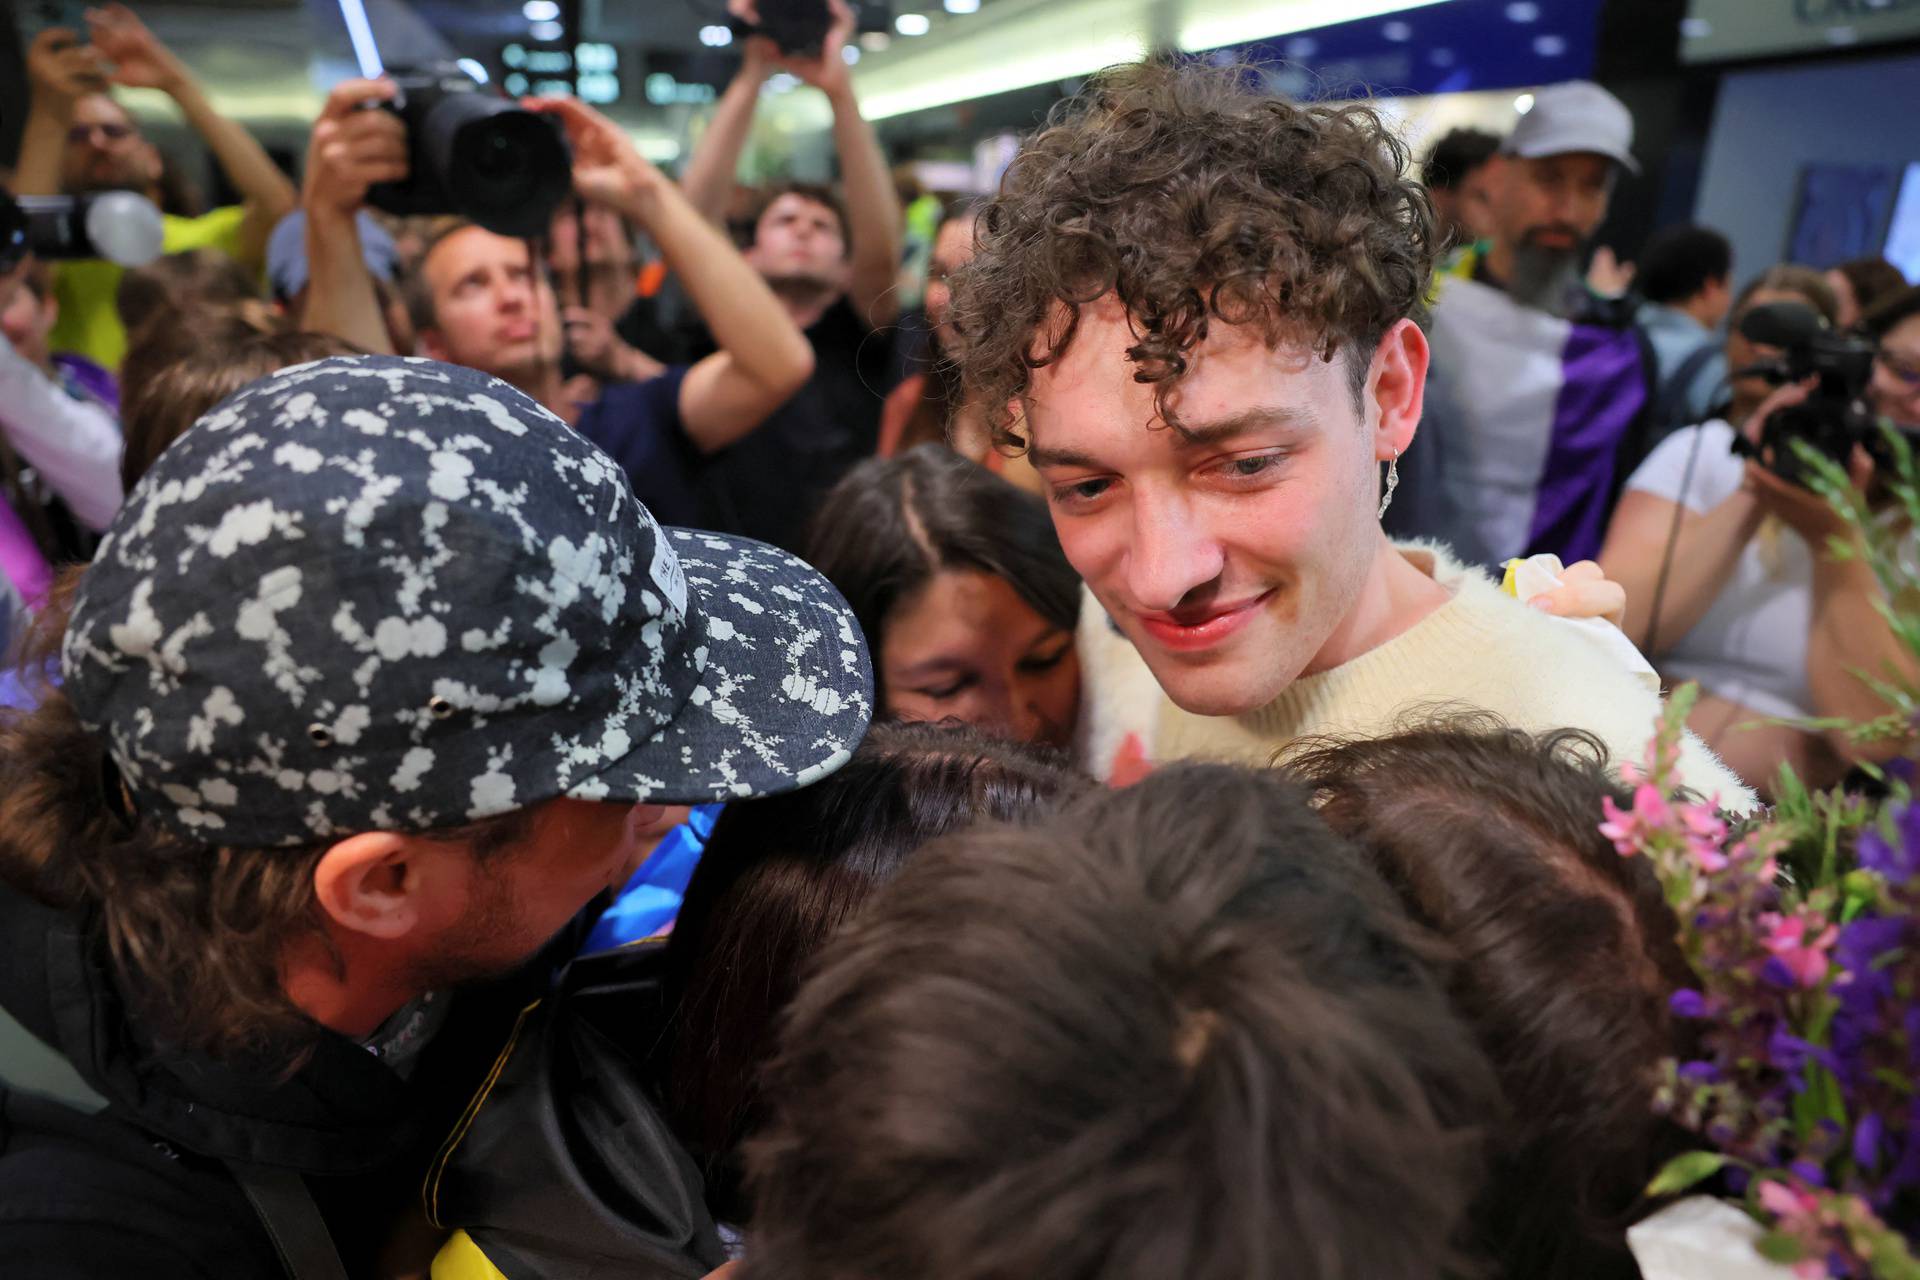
{"points": [[1194, 435]]}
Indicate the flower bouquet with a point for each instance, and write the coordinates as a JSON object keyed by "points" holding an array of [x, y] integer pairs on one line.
{"points": [[1802, 930]]}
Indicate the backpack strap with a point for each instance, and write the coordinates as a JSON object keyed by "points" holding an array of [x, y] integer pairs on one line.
{"points": [[1673, 396], [292, 1220]]}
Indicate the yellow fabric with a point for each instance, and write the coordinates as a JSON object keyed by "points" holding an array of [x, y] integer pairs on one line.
{"points": [[460, 1259], [1482, 650], [89, 322]]}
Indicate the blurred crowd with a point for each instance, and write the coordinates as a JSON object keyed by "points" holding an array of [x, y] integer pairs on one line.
{"points": [[468, 688]]}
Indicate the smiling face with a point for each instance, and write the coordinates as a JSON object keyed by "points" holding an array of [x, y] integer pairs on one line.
{"points": [[966, 647], [1236, 555]]}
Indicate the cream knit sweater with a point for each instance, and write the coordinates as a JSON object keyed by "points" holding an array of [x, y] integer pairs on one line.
{"points": [[1482, 650]]}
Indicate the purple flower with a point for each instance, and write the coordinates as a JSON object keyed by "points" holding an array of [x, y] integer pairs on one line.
{"points": [[1897, 864], [1698, 1072], [1808, 1172], [1866, 1141], [1687, 1003]]}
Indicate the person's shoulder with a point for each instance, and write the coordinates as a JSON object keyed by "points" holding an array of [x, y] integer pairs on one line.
{"points": [[215, 229], [85, 1195]]}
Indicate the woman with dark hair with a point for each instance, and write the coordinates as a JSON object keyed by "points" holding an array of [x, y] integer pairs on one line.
{"points": [[1564, 957], [575, 1155], [1739, 595], [959, 583]]}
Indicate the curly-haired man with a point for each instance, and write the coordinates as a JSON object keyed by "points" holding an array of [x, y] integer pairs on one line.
{"points": [[1194, 304]]}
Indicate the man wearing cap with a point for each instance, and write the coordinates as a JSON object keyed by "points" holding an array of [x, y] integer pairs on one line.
{"points": [[380, 677], [1538, 397]]}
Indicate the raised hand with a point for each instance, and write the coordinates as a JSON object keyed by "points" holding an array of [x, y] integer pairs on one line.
{"points": [[139, 60], [827, 70], [606, 165], [352, 148], [61, 69]]}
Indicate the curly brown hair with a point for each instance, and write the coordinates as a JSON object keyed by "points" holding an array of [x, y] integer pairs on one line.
{"points": [[1192, 195]]}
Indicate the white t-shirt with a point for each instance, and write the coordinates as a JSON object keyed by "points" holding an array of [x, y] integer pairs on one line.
{"points": [[1751, 644]]}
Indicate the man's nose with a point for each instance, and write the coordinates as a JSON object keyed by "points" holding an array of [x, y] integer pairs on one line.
{"points": [[1172, 553]]}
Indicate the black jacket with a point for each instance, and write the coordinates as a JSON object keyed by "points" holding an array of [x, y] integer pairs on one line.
{"points": [[143, 1187]]}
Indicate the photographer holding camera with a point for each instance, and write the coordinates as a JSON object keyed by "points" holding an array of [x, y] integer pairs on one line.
{"points": [[482, 300], [832, 266], [1725, 560], [77, 140]]}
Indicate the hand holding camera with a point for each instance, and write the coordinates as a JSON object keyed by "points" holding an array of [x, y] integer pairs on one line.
{"points": [[804, 40], [139, 60], [352, 149], [607, 168], [63, 70]]}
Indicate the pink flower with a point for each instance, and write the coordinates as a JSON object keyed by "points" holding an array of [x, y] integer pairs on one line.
{"points": [[1783, 1201], [1803, 957]]}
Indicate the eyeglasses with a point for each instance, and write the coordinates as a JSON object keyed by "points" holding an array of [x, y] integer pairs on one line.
{"points": [[81, 134]]}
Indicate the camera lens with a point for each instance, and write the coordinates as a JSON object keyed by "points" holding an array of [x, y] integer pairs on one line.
{"points": [[509, 169]]}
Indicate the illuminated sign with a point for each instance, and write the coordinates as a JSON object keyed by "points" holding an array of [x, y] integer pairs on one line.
{"points": [[547, 72]]}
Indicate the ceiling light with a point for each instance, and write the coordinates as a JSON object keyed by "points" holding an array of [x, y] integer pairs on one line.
{"points": [[1523, 103], [472, 68], [875, 41], [1523, 11], [1695, 28], [1441, 57], [1549, 46], [912, 24], [716, 37], [1842, 35], [545, 30], [849, 53], [782, 82], [540, 10], [1397, 32], [961, 6], [1300, 48]]}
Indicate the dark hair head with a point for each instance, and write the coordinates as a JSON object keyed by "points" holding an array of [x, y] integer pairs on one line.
{"points": [[177, 286], [1678, 262], [1565, 956], [1891, 312], [780, 875], [178, 372], [1177, 1030], [1791, 277], [1458, 153], [1873, 280], [1195, 197], [892, 523], [195, 933], [824, 196]]}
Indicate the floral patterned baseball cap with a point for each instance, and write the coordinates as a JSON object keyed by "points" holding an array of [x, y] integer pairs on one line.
{"points": [[375, 593]]}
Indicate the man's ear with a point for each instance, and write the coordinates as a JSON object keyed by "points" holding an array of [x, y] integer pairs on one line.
{"points": [[372, 883], [1396, 389], [431, 346]]}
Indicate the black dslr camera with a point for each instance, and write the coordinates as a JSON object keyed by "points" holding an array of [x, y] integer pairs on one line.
{"points": [[799, 27], [1835, 417], [474, 154]]}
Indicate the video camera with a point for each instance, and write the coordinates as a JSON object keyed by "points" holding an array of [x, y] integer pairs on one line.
{"points": [[472, 153], [1835, 417], [120, 226]]}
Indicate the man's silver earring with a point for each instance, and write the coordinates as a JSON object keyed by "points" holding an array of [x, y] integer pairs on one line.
{"points": [[1393, 482]]}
